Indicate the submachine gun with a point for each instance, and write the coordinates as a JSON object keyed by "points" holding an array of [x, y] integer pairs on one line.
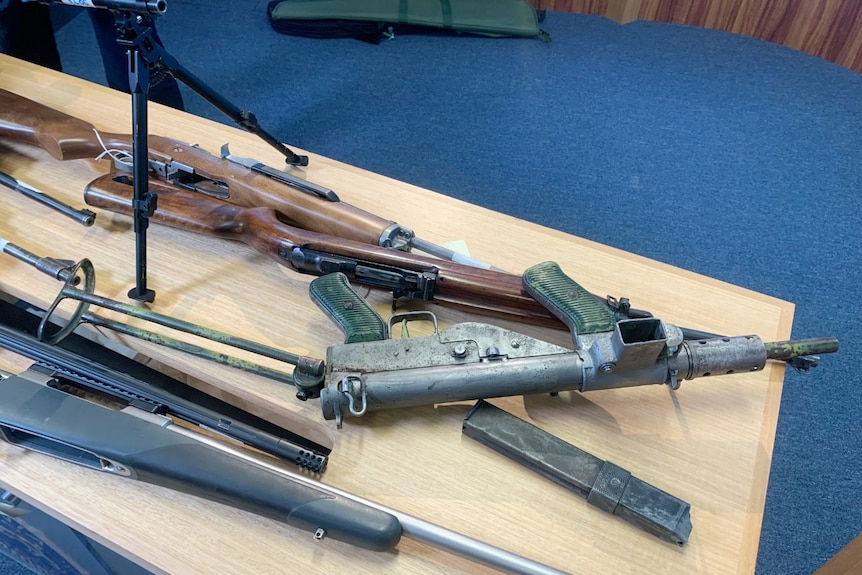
{"points": [[469, 361]]}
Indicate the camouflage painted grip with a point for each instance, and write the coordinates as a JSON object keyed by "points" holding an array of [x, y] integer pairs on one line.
{"points": [[565, 298], [352, 314]]}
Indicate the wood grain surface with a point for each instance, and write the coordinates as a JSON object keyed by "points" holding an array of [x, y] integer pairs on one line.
{"points": [[829, 29]]}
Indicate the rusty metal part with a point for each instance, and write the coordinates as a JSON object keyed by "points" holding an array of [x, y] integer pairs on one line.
{"points": [[307, 371], [603, 484], [86, 297]]}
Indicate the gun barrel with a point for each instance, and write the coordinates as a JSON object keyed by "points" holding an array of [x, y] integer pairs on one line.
{"points": [[83, 216], [57, 269], [784, 350], [152, 7]]}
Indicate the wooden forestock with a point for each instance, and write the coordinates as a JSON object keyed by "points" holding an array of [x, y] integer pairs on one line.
{"points": [[68, 138], [482, 291]]}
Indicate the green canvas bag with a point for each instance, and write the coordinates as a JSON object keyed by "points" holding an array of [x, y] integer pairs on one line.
{"points": [[372, 20]]}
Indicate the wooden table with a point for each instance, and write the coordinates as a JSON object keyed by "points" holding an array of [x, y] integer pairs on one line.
{"points": [[709, 443]]}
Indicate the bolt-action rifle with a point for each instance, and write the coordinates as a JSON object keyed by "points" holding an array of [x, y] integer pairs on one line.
{"points": [[242, 181], [290, 204]]}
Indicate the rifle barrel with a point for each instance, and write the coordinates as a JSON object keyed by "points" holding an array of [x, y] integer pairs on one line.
{"points": [[419, 529], [83, 217]]}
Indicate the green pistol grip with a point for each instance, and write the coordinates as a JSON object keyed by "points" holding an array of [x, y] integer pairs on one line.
{"points": [[569, 301], [358, 320]]}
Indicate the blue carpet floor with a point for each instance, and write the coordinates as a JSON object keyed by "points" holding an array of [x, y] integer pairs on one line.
{"points": [[725, 155]]}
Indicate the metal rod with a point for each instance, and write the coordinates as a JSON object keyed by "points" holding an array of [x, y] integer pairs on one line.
{"points": [[451, 255], [57, 269], [189, 348], [306, 369], [144, 202], [786, 350], [83, 217], [181, 325]]}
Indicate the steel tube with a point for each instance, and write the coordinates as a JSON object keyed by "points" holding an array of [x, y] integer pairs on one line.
{"points": [[412, 527]]}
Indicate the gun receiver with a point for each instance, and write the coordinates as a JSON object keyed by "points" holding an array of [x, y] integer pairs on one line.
{"points": [[470, 361]]}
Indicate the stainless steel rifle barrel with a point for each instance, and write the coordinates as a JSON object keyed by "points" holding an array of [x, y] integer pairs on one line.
{"points": [[412, 527]]}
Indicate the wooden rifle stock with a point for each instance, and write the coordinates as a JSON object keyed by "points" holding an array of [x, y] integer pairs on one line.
{"points": [[272, 215], [477, 290], [65, 137]]}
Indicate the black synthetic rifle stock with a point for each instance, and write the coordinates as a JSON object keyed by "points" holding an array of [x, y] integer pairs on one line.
{"points": [[138, 444]]}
